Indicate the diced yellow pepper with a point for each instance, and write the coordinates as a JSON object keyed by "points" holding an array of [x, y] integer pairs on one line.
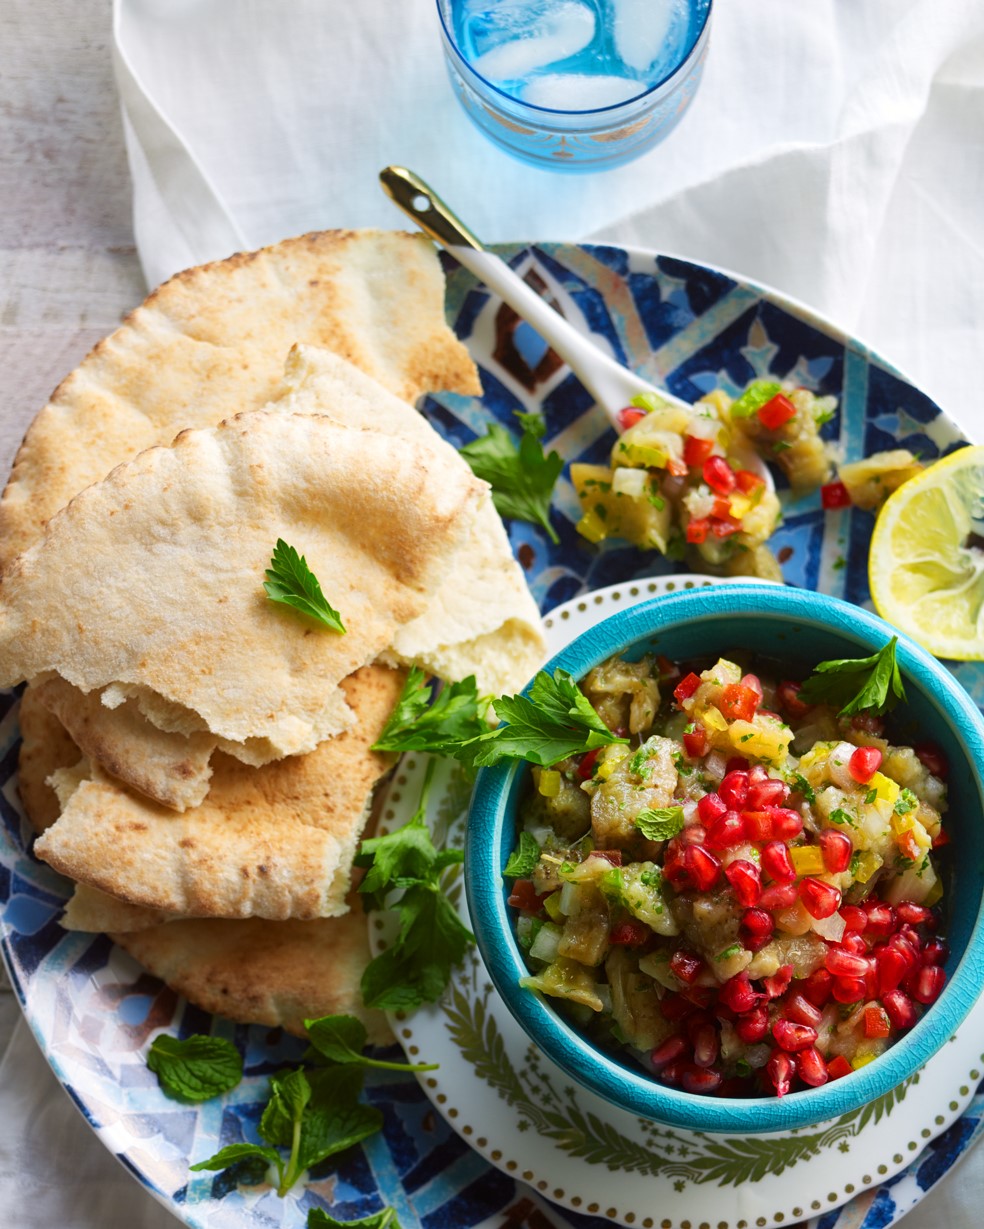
{"points": [[717, 398], [862, 1060], [868, 863], [552, 906], [713, 719], [549, 784], [609, 760], [592, 527], [807, 859], [585, 477], [764, 739], [647, 455], [741, 505], [886, 790]]}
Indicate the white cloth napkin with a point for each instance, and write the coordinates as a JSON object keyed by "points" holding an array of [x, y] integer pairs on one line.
{"points": [[835, 151]]}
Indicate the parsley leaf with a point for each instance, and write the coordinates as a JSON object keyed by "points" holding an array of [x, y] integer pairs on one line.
{"points": [[533, 422], [318, 1218], [522, 479], [341, 1039], [417, 725], [196, 1068], [857, 684], [906, 801], [839, 816], [660, 824], [291, 581], [754, 397], [802, 786], [432, 938], [523, 859], [555, 722]]}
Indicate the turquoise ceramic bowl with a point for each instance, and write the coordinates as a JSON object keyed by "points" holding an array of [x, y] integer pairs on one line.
{"points": [[799, 628]]}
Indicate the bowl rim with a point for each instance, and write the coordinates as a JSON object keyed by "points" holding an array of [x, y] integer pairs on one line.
{"points": [[563, 1044]]}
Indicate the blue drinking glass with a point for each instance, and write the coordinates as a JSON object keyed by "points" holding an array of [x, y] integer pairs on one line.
{"points": [[575, 85]]}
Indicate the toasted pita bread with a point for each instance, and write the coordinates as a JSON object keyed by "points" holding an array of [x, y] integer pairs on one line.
{"points": [[273, 842], [211, 343], [173, 769], [45, 748], [152, 579], [482, 620]]}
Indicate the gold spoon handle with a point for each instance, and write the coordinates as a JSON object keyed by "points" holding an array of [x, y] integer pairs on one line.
{"points": [[421, 203]]}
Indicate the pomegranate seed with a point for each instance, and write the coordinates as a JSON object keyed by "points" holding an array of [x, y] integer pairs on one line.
{"points": [[779, 1071], [933, 759], [819, 899], [848, 989], [719, 475], [672, 1048], [700, 996], [838, 1067], [864, 763], [746, 883], [753, 1025], [788, 696], [729, 830], [706, 1046], [739, 703], [777, 985], [686, 966], [767, 793], [686, 687], [696, 1080], [699, 1020], [754, 682], [704, 868], [800, 1010], [934, 952], [793, 1037], [758, 825], [776, 412], [755, 943], [835, 495], [737, 993], [630, 933], [711, 807], [900, 1009], [757, 773], [881, 919], [891, 966], [756, 921], [696, 450], [737, 763], [693, 834], [779, 896], [695, 743], [734, 789], [843, 964], [853, 942], [928, 984], [836, 848], [811, 1068], [672, 1073], [777, 863], [675, 1007], [855, 919], [786, 823], [629, 416], [876, 1021], [912, 915], [817, 987]]}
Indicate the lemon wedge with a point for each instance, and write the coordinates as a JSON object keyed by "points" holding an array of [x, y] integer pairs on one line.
{"points": [[926, 562]]}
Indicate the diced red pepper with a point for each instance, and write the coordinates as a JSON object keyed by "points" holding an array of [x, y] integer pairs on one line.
{"points": [[838, 1067], [629, 416], [724, 527], [696, 450], [721, 508], [677, 468], [695, 743], [630, 933], [835, 495], [738, 702], [586, 768], [697, 530], [524, 896], [942, 838], [909, 846], [719, 475], [876, 1021], [686, 687], [776, 412], [747, 481]]}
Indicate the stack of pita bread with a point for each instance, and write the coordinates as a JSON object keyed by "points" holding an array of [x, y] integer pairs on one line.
{"points": [[196, 757]]}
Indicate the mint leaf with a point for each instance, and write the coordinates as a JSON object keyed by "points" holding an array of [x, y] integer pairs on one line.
{"points": [[290, 1093], [555, 722], [318, 1218], [335, 1118], [857, 684], [196, 1068], [233, 1153], [416, 724], [522, 479], [754, 397], [660, 824], [291, 581], [341, 1039], [524, 858]]}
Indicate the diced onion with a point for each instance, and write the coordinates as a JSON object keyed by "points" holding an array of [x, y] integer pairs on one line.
{"points": [[629, 481], [715, 766], [830, 928], [547, 943], [568, 899], [838, 766]]}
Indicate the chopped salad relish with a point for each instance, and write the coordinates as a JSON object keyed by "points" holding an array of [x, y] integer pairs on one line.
{"points": [[744, 894]]}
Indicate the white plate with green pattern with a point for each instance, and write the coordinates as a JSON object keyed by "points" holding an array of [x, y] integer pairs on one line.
{"points": [[525, 1116]]}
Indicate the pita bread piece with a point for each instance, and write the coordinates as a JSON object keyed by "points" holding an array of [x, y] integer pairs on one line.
{"points": [[45, 747], [173, 769], [211, 343], [483, 620], [275, 842], [152, 580]]}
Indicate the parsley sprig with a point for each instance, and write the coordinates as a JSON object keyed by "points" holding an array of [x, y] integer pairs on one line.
{"points": [[416, 724], [291, 581], [857, 684], [523, 478]]}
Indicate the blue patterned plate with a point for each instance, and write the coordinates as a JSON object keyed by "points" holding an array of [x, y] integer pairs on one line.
{"points": [[94, 1010]]}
